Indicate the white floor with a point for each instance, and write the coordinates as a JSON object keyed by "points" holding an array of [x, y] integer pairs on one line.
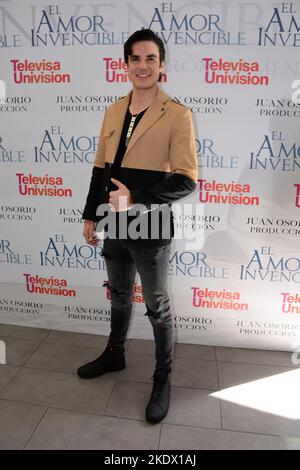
{"points": [[222, 398]]}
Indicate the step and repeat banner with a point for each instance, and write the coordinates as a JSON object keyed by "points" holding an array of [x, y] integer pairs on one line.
{"points": [[237, 66]]}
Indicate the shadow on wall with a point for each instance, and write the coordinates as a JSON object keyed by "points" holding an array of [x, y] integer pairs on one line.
{"points": [[277, 193]]}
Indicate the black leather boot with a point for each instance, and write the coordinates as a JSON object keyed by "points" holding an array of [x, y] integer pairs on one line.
{"points": [[159, 402], [111, 359]]}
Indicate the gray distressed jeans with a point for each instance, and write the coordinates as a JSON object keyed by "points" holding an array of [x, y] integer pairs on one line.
{"points": [[122, 261]]}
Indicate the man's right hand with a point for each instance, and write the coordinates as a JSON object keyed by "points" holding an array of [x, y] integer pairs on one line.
{"points": [[88, 232]]}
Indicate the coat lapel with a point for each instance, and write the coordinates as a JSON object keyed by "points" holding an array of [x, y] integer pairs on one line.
{"points": [[115, 129], [154, 112]]}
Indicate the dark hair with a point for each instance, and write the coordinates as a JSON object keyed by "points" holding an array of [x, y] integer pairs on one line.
{"points": [[144, 35]]}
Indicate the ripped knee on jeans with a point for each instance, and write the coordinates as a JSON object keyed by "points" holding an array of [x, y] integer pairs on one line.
{"points": [[151, 314], [121, 297], [111, 289]]}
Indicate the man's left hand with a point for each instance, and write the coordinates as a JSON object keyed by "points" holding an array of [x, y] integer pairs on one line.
{"points": [[120, 200]]}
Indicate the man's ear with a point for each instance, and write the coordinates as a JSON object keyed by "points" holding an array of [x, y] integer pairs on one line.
{"points": [[161, 66]]}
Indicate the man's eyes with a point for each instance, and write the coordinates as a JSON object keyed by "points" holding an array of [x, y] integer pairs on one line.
{"points": [[135, 59]]}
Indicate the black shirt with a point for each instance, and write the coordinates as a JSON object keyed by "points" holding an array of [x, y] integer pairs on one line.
{"points": [[122, 145]]}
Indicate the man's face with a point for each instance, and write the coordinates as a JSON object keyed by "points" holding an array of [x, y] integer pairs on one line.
{"points": [[143, 65]]}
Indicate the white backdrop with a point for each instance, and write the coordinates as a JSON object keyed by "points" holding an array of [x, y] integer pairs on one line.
{"points": [[233, 63]]}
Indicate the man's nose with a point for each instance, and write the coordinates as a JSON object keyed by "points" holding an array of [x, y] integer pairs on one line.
{"points": [[143, 64]]}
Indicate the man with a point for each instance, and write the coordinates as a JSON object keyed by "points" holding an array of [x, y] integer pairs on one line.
{"points": [[146, 155]]}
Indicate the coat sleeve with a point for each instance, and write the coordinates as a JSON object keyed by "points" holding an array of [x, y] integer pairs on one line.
{"points": [[93, 197], [94, 194], [183, 163]]}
